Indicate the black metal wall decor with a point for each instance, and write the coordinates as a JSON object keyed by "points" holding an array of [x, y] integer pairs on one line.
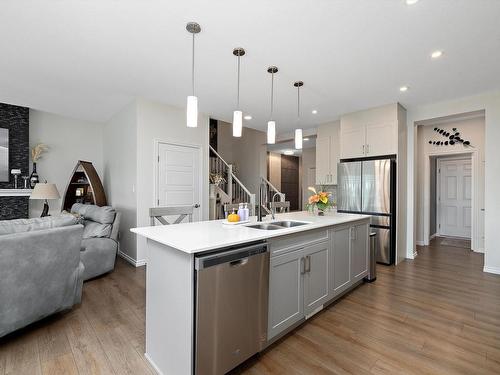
{"points": [[452, 138]]}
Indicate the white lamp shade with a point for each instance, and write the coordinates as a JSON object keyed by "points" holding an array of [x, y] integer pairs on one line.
{"points": [[192, 112], [237, 123], [298, 139], [45, 191], [271, 132]]}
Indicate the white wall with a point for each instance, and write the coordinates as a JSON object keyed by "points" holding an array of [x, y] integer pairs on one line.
{"points": [[161, 122], [470, 129], [69, 140], [120, 174], [490, 102], [248, 154]]}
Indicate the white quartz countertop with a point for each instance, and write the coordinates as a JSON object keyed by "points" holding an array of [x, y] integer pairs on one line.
{"points": [[203, 236]]}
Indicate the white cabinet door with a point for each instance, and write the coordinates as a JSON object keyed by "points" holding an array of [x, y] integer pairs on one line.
{"points": [[340, 260], [316, 280], [352, 143], [334, 158], [359, 251], [381, 139], [322, 160], [286, 304]]}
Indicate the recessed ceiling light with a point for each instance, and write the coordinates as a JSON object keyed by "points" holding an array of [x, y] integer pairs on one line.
{"points": [[306, 139], [247, 117], [436, 54], [403, 88], [288, 152], [314, 111], [411, 2]]}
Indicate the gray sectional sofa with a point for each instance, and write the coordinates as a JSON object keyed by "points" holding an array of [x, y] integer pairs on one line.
{"points": [[40, 269], [100, 238]]}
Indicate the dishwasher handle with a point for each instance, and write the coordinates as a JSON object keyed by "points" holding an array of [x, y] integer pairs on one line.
{"points": [[235, 257]]}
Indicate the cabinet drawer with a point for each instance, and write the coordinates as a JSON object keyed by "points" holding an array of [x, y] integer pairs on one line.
{"points": [[285, 244]]}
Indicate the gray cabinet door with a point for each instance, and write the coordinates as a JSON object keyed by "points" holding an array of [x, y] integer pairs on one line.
{"points": [[316, 280], [340, 260], [286, 305], [359, 251]]}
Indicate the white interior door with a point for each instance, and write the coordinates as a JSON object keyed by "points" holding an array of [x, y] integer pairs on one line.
{"points": [[179, 177], [455, 198]]}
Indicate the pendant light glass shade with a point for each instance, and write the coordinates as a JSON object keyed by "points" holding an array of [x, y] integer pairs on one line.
{"points": [[192, 112], [238, 115], [237, 123], [298, 139], [271, 132], [192, 101]]}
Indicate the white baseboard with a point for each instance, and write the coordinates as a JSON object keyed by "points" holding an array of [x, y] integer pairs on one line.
{"points": [[433, 236], [495, 270], [420, 243], [132, 261], [152, 363]]}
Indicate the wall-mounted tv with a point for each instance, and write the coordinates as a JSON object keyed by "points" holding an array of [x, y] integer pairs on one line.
{"points": [[4, 155]]}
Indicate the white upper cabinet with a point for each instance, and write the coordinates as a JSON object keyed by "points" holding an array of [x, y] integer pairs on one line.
{"points": [[381, 139], [373, 132], [327, 153]]}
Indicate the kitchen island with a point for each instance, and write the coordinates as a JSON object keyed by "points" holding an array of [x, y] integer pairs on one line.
{"points": [[306, 262]]}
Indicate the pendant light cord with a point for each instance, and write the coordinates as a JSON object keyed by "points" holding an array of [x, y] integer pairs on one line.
{"points": [[238, 94], [272, 94], [192, 68], [298, 103]]}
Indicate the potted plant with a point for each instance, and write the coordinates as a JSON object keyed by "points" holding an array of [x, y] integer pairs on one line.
{"points": [[319, 200]]}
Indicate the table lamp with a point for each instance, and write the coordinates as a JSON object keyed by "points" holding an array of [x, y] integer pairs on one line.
{"points": [[45, 191]]}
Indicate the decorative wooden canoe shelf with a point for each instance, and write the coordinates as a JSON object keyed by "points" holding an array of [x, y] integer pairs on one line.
{"points": [[84, 186]]}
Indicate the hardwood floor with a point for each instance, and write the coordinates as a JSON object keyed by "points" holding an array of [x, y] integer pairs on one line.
{"points": [[438, 314]]}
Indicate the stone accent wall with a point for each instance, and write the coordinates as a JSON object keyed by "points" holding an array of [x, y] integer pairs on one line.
{"points": [[16, 119]]}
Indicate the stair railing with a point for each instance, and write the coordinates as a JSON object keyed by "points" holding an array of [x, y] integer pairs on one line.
{"points": [[233, 187], [269, 193]]}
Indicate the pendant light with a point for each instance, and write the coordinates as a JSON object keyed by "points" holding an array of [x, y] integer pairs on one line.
{"points": [[192, 100], [237, 114], [298, 132], [271, 124]]}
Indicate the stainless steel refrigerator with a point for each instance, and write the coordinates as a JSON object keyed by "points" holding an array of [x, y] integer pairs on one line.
{"points": [[368, 186]]}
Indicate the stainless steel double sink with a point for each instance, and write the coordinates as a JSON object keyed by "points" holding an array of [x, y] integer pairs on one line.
{"points": [[276, 225]]}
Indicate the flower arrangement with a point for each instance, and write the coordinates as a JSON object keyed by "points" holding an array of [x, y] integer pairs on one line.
{"points": [[37, 151], [216, 179], [321, 200]]}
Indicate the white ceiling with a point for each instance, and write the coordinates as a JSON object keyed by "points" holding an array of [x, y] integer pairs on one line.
{"points": [[87, 59]]}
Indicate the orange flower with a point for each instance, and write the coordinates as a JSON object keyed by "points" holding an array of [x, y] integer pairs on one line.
{"points": [[314, 199]]}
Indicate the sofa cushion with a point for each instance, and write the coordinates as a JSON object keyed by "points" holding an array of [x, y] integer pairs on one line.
{"points": [[102, 215], [97, 220], [39, 223], [92, 229]]}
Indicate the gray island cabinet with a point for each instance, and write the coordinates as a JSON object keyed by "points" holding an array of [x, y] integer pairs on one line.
{"points": [[314, 269], [304, 269]]}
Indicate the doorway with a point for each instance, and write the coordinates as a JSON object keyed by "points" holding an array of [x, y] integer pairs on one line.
{"points": [[179, 177], [454, 197], [290, 180]]}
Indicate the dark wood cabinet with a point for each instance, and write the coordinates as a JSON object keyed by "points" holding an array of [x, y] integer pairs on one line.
{"points": [[84, 186]]}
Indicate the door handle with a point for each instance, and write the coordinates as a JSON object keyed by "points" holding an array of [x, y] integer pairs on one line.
{"points": [[363, 149], [239, 262], [196, 205], [302, 266], [367, 149], [308, 264]]}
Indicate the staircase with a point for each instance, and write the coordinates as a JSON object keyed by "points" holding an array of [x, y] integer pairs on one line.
{"points": [[230, 191]]}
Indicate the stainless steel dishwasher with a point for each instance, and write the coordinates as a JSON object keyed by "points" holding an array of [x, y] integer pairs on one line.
{"points": [[231, 307]]}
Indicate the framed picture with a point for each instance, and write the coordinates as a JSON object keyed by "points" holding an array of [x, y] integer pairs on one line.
{"points": [[4, 155]]}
